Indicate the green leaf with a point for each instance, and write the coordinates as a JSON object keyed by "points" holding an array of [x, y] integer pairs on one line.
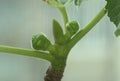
{"points": [[113, 8], [57, 32]]}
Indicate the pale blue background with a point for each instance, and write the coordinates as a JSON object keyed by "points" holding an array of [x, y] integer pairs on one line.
{"points": [[94, 58]]}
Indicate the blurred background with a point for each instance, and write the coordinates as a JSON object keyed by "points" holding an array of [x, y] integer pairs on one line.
{"points": [[94, 58]]}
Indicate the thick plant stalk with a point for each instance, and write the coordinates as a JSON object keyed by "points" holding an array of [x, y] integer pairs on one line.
{"points": [[53, 75], [55, 72]]}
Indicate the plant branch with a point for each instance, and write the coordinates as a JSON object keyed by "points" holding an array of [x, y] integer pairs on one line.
{"points": [[26, 52], [68, 2], [64, 15], [87, 28]]}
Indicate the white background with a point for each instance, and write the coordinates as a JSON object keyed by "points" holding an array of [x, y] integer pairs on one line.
{"points": [[94, 58]]}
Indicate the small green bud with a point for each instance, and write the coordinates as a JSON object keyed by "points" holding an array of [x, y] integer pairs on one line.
{"points": [[40, 42], [54, 3], [117, 32], [72, 27], [57, 32], [78, 2]]}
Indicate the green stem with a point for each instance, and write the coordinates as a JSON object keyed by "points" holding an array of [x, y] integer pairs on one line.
{"points": [[64, 15], [26, 52], [68, 3], [87, 28]]}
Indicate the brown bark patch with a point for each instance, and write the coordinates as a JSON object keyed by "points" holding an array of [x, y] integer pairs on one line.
{"points": [[53, 75]]}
